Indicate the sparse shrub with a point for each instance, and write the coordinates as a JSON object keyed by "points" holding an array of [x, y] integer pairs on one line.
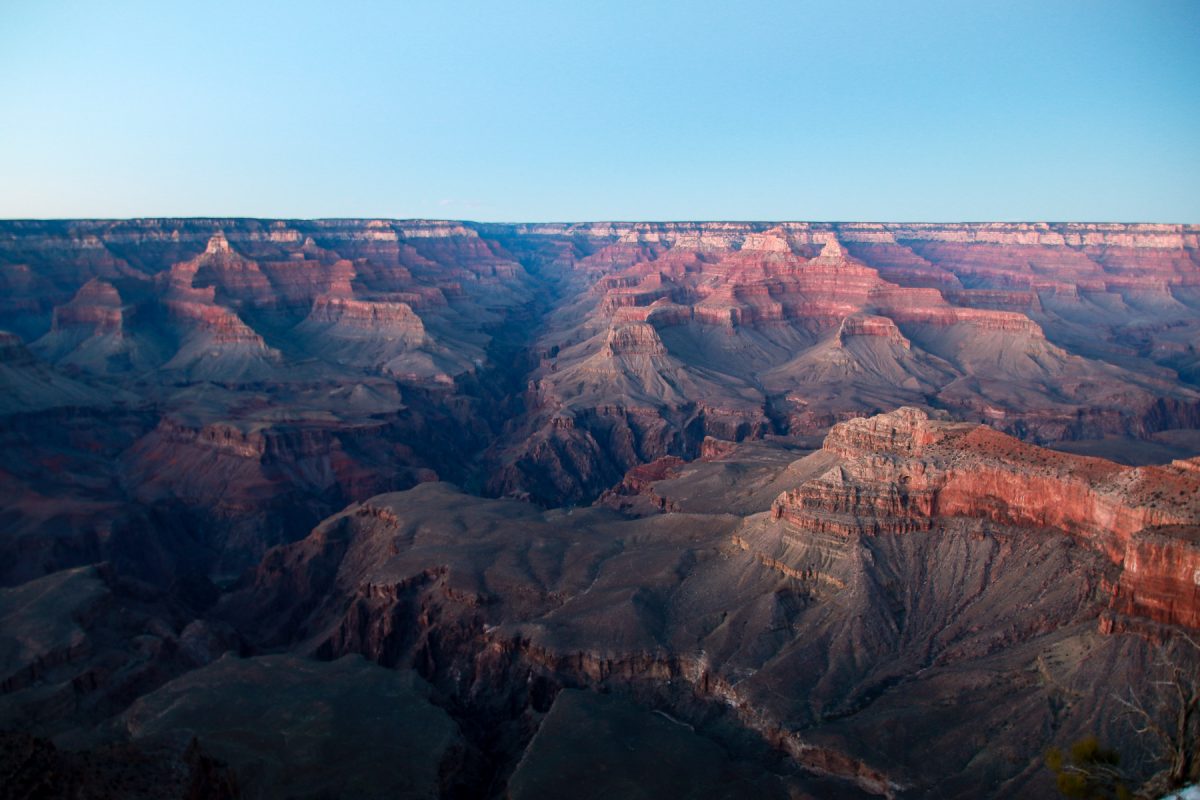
{"points": [[1088, 771]]}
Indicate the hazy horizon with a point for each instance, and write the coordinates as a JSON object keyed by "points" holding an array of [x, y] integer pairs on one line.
{"points": [[630, 221]]}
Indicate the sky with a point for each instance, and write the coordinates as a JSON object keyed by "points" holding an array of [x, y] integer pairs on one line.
{"points": [[560, 111]]}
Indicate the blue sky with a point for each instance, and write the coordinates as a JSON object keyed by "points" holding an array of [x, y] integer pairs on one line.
{"points": [[969, 110]]}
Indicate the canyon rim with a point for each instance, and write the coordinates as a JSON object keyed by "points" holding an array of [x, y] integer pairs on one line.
{"points": [[430, 508]]}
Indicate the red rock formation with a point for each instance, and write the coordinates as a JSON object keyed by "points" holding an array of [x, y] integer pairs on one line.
{"points": [[814, 639], [902, 472], [757, 303], [223, 325], [870, 325], [634, 340], [1161, 576], [96, 307], [235, 277], [387, 318]]}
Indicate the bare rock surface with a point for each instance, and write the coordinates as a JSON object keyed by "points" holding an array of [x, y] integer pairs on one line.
{"points": [[853, 624], [292, 728], [632, 753], [782, 487]]}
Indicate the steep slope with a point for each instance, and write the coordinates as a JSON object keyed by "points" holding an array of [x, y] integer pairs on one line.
{"points": [[787, 318], [274, 373], [917, 606], [621, 399], [32, 385], [545, 361], [90, 333], [907, 562], [290, 727]]}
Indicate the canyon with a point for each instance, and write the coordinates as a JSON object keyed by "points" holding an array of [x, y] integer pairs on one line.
{"points": [[447, 509]]}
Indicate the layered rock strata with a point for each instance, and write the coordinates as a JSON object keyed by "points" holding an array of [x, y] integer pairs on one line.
{"points": [[911, 569]]}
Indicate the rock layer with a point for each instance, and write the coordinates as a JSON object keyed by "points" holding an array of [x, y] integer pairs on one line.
{"points": [[186, 400], [908, 559], [630, 341], [902, 472]]}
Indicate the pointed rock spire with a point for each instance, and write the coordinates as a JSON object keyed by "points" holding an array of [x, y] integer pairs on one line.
{"points": [[217, 243], [833, 250]]}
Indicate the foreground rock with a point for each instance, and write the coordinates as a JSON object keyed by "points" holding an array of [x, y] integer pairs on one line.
{"points": [[35, 768], [631, 753], [899, 619], [293, 728]]}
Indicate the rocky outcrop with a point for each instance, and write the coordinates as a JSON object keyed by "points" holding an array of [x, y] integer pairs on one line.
{"points": [[870, 325], [784, 306], [1048, 332], [1161, 576], [180, 396], [386, 337], [387, 318], [95, 307], [219, 325], [903, 472], [633, 338], [761, 629], [639, 480], [347, 727]]}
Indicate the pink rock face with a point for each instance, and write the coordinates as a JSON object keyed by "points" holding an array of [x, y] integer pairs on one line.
{"points": [[715, 292], [867, 325], [298, 281], [96, 307], [902, 472], [372, 316], [634, 338], [906, 431], [621, 342], [1161, 579], [222, 324]]}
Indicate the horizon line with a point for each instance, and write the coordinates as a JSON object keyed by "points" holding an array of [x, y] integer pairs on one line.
{"points": [[599, 221]]}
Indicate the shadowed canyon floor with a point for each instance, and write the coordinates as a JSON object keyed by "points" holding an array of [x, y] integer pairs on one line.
{"points": [[421, 509]]}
